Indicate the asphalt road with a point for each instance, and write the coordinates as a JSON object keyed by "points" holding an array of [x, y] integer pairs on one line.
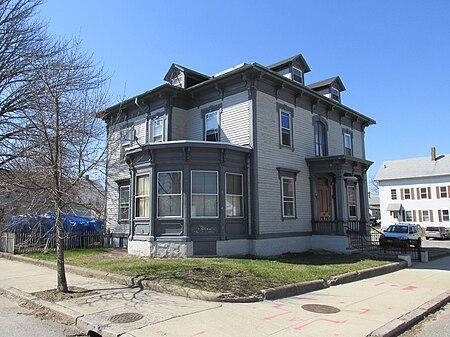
{"points": [[16, 321], [435, 325]]}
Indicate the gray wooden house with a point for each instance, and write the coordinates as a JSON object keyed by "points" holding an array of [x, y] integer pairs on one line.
{"points": [[247, 161]]}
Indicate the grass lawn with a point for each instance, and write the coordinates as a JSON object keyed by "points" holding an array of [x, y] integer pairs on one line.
{"points": [[239, 276]]}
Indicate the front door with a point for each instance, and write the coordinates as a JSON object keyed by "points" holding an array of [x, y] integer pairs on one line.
{"points": [[324, 202]]}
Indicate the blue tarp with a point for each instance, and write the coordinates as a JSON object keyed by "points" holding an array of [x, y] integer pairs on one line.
{"points": [[46, 222]]}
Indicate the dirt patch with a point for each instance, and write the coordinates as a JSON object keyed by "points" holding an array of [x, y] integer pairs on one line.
{"points": [[117, 253], [53, 295]]}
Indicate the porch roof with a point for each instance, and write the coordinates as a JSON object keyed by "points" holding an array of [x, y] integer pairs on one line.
{"points": [[394, 207]]}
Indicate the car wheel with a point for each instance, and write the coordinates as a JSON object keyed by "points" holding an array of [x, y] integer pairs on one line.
{"points": [[427, 238]]}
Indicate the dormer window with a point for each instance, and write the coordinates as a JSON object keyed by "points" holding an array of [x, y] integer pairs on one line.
{"points": [[335, 94], [297, 75], [177, 78]]}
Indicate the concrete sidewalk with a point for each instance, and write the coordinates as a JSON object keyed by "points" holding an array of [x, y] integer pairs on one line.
{"points": [[360, 308]]}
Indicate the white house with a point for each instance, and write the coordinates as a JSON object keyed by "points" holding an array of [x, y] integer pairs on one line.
{"points": [[415, 190], [250, 160]]}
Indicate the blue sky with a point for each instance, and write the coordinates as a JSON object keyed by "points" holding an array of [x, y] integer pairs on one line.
{"points": [[393, 56]]}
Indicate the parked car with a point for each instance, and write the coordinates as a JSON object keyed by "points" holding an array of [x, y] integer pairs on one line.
{"points": [[396, 235], [437, 232]]}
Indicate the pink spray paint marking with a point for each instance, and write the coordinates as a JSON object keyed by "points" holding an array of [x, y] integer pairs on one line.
{"points": [[198, 333], [300, 327], [278, 307], [364, 311], [379, 284], [410, 288], [342, 302]]}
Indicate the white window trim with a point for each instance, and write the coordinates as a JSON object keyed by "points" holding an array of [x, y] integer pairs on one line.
{"points": [[174, 194], [153, 124], [394, 194], [406, 216], [282, 128], [423, 215], [336, 92], [349, 187], [127, 136], [422, 193], [217, 112], [301, 74], [217, 194], [443, 190], [283, 199], [448, 215], [235, 195], [142, 196], [348, 136], [409, 194], [121, 203]]}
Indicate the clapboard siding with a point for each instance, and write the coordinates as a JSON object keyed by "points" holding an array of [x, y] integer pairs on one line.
{"points": [[179, 124]]}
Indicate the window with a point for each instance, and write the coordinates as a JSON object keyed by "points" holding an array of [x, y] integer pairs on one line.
{"points": [[169, 194], [425, 216], [351, 197], [423, 193], [124, 202], [445, 215], [127, 136], [212, 126], [297, 75], [234, 195], [142, 196], [288, 196], [408, 216], [320, 139], [443, 190], [285, 123], [205, 195], [407, 193], [335, 94], [158, 130], [394, 194], [348, 150]]}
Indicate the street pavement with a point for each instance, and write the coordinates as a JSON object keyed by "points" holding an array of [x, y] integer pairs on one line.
{"points": [[358, 307], [16, 321]]}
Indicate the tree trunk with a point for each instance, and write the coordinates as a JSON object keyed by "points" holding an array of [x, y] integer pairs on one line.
{"points": [[61, 271]]}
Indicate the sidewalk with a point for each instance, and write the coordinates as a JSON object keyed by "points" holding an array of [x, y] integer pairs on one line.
{"points": [[363, 306]]}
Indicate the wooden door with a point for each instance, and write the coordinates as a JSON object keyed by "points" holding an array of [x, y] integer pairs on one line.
{"points": [[324, 202]]}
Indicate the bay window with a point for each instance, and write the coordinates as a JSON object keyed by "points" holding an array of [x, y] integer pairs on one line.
{"points": [[169, 194], [204, 194], [142, 196], [234, 195]]}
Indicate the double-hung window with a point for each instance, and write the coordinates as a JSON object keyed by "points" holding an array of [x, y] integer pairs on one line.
{"points": [[212, 126], [348, 148], [335, 94], [127, 136], [204, 194], [142, 196], [124, 203], [320, 139], [445, 215], [169, 194], [407, 193], [297, 75], [394, 194], [408, 216], [425, 216], [423, 193], [288, 197], [158, 130], [351, 197], [443, 192], [285, 128], [234, 195]]}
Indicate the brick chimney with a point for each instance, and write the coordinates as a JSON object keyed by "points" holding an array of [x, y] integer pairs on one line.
{"points": [[433, 153]]}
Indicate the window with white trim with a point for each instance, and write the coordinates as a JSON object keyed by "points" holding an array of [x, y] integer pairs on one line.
{"points": [[335, 94], [169, 194], [157, 130], [320, 139], [444, 193], [204, 194], [212, 126], [445, 215], [234, 195], [142, 196], [423, 193], [407, 193], [348, 148], [351, 200], [393, 194], [285, 128], [288, 197], [425, 216], [124, 203], [127, 136], [297, 75], [408, 216]]}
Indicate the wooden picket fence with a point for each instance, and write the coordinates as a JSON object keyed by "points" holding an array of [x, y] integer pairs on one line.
{"points": [[22, 243]]}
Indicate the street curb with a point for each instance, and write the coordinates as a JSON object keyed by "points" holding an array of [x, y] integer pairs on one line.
{"points": [[59, 313], [306, 287], [266, 294], [400, 324]]}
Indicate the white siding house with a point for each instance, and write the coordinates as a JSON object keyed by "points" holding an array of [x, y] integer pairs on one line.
{"points": [[415, 190]]}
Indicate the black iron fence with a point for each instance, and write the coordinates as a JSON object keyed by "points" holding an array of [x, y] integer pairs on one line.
{"points": [[19, 243]]}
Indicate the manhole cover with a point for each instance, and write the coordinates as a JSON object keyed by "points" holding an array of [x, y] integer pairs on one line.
{"points": [[320, 308], [126, 317]]}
